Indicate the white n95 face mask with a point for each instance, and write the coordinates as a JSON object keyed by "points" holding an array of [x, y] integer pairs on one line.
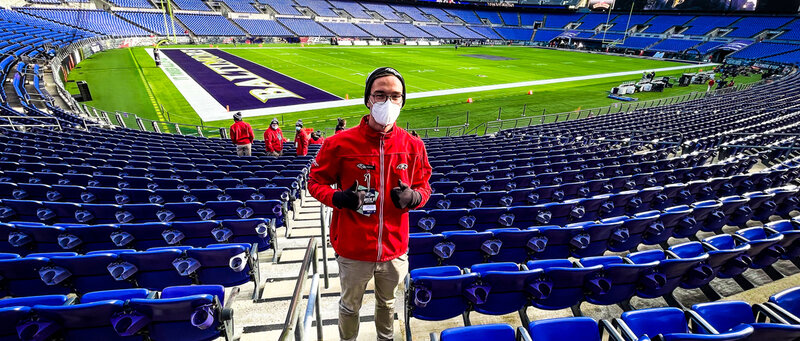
{"points": [[385, 113]]}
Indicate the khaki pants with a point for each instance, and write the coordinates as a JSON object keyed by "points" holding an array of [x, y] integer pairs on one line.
{"points": [[244, 149], [275, 153], [354, 275]]}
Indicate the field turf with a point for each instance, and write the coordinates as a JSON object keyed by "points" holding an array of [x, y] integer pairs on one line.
{"points": [[124, 79]]}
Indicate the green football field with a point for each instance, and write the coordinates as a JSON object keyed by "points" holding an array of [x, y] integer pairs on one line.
{"points": [[127, 80]]}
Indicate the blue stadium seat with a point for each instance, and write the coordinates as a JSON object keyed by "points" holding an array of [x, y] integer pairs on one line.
{"points": [[151, 269], [180, 211], [786, 304], [507, 285], [667, 274], [498, 332], [765, 248], [86, 320], [726, 316], [670, 324], [223, 264], [790, 232], [141, 236], [617, 282], [421, 250], [720, 263], [191, 312], [84, 273], [440, 293], [561, 286], [571, 328], [219, 210], [21, 277]]}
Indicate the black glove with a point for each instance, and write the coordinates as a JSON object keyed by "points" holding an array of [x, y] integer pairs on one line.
{"points": [[350, 198], [405, 197]]}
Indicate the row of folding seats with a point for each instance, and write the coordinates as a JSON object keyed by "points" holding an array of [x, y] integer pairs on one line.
{"points": [[588, 169], [723, 206], [223, 180], [473, 196], [59, 164], [584, 150], [510, 244], [197, 312], [600, 180], [443, 292], [728, 321], [26, 238], [61, 273], [88, 147], [112, 195], [93, 214], [452, 143], [81, 154], [529, 152], [573, 161]]}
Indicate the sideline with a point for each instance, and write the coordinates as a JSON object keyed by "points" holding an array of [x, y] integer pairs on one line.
{"points": [[149, 90]]}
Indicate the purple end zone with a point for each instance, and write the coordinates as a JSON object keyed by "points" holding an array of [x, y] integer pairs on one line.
{"points": [[241, 84]]}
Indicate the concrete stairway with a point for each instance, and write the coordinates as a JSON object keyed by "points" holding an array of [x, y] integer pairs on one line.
{"points": [[263, 319]]}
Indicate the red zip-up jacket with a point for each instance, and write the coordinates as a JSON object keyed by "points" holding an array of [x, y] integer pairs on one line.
{"points": [[273, 140], [242, 133], [319, 140], [301, 142], [387, 157]]}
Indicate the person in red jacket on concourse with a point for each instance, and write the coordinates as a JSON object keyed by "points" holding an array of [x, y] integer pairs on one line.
{"points": [[380, 172], [273, 139], [301, 138], [242, 135]]}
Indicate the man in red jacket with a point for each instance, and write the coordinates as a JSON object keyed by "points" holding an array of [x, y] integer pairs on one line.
{"points": [[301, 138], [273, 139], [242, 135], [381, 173]]}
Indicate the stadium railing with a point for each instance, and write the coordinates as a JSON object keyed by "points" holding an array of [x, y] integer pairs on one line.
{"points": [[490, 127], [293, 324], [325, 221], [484, 128], [10, 122]]}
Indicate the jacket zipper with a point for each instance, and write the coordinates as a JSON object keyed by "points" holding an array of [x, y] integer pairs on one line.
{"points": [[381, 196]]}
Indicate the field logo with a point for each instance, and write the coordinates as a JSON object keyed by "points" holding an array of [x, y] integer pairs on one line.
{"points": [[221, 82], [241, 77]]}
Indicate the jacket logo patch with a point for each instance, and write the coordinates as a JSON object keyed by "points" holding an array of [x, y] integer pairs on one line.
{"points": [[363, 166], [402, 166]]}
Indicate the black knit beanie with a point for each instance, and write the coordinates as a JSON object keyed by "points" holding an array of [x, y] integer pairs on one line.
{"points": [[382, 72]]}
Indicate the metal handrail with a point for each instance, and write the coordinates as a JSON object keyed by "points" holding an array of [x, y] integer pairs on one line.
{"points": [[314, 297], [310, 260], [615, 108], [14, 126], [325, 216]]}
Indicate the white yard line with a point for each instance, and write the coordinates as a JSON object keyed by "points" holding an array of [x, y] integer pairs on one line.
{"points": [[210, 110]]}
